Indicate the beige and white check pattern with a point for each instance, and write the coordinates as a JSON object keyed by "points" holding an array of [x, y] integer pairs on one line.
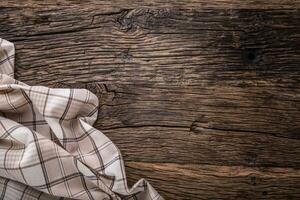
{"points": [[49, 148]]}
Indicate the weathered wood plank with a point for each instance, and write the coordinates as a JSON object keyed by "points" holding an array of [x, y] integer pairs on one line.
{"points": [[178, 145], [250, 109], [158, 46], [228, 4], [219, 182], [211, 89]]}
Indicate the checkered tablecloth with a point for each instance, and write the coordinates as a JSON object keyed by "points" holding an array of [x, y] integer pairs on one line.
{"points": [[49, 148]]}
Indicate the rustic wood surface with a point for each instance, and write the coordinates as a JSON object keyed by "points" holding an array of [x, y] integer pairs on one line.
{"points": [[201, 97]]}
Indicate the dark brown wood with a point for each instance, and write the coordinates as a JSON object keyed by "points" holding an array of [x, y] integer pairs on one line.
{"points": [[218, 182], [201, 97]]}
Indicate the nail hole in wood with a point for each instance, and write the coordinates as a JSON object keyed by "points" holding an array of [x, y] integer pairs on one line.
{"points": [[251, 56]]}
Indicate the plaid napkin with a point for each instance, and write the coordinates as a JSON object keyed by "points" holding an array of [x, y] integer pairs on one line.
{"points": [[49, 148]]}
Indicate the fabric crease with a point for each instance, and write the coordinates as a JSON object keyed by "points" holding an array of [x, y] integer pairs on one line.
{"points": [[49, 148]]}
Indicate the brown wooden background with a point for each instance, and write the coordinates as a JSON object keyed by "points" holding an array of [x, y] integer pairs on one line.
{"points": [[202, 97]]}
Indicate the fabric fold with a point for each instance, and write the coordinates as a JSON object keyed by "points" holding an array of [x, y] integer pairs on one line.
{"points": [[49, 148]]}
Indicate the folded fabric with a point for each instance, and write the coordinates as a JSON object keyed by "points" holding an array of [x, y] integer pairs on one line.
{"points": [[49, 148]]}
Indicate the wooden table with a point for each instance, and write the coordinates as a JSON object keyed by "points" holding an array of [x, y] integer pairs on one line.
{"points": [[201, 97]]}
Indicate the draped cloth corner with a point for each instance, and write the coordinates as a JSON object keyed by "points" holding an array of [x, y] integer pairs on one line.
{"points": [[49, 148]]}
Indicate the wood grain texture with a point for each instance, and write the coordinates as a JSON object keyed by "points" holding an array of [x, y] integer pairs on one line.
{"points": [[219, 182], [201, 97]]}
